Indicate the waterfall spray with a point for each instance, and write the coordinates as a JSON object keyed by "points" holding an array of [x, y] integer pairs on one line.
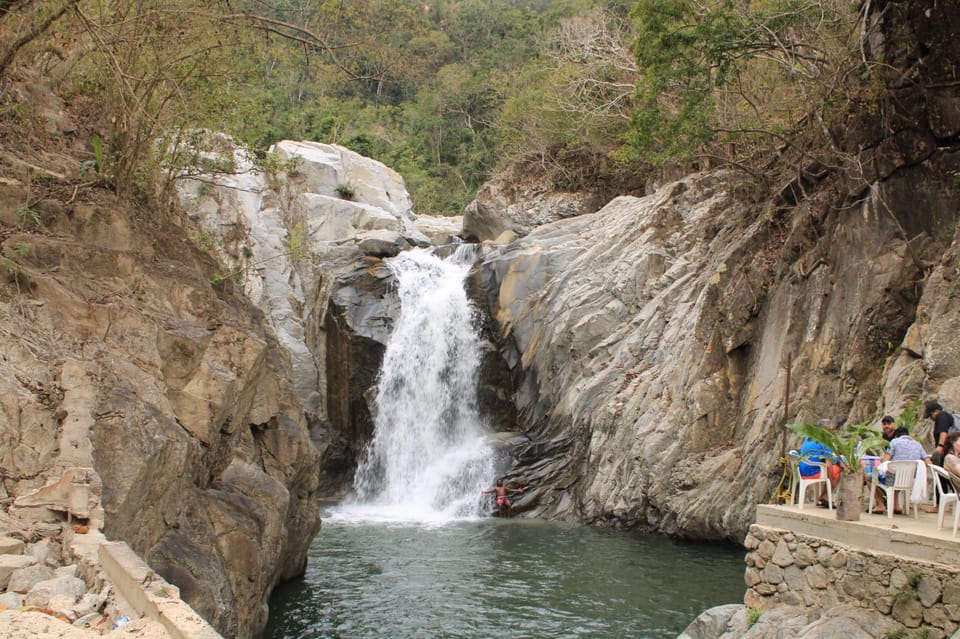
{"points": [[429, 457]]}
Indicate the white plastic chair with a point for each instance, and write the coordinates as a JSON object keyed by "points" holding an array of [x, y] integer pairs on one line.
{"points": [[905, 473], [802, 483], [944, 497], [955, 481]]}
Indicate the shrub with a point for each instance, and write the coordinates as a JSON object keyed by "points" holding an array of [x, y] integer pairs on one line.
{"points": [[345, 191]]}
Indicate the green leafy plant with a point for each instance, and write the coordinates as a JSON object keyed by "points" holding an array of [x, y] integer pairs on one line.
{"points": [[910, 416], [753, 616], [97, 165], [97, 144], [28, 215], [21, 248], [272, 164], [851, 442], [15, 274], [206, 239], [345, 191]]}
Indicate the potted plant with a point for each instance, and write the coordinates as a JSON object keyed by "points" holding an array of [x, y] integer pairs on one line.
{"points": [[850, 443]]}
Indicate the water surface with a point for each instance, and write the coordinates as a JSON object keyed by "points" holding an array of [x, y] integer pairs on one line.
{"points": [[501, 578]]}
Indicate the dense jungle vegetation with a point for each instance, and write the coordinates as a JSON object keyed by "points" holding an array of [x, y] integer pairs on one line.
{"points": [[444, 91]]}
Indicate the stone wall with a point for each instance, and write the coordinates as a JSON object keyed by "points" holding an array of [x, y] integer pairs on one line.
{"points": [[789, 569]]}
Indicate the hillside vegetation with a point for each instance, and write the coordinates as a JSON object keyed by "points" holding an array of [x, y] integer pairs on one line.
{"points": [[445, 92]]}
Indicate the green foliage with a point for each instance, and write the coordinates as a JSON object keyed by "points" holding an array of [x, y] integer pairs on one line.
{"points": [[753, 616], [29, 216], [708, 67], [296, 243], [21, 248], [273, 165], [851, 441], [205, 240], [911, 416], [16, 275], [345, 191]]}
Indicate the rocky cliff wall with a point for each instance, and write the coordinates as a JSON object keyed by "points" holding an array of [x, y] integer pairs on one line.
{"points": [[661, 342], [119, 358]]}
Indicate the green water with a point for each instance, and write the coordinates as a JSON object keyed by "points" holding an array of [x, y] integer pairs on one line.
{"points": [[501, 578]]}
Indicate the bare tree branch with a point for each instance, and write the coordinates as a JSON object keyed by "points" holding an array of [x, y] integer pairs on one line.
{"points": [[32, 34]]}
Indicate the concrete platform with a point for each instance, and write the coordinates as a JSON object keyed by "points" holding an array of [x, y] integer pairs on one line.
{"points": [[902, 536]]}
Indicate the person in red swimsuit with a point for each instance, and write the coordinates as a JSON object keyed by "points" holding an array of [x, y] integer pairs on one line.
{"points": [[504, 504]]}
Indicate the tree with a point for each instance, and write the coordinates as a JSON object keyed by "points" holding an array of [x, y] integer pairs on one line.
{"points": [[717, 74], [29, 20]]}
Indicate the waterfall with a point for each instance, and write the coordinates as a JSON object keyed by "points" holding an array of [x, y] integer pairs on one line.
{"points": [[429, 457]]}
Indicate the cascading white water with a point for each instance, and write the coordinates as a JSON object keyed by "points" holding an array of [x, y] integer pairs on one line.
{"points": [[428, 459]]}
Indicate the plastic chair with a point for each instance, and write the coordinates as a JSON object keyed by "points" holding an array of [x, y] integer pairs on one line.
{"points": [[955, 482], [945, 498], [905, 473], [802, 483]]}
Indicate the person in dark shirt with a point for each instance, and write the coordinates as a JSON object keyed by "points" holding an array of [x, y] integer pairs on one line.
{"points": [[942, 421]]}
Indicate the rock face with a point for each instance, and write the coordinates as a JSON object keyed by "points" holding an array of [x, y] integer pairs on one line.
{"points": [[509, 204], [129, 380], [661, 343], [306, 244]]}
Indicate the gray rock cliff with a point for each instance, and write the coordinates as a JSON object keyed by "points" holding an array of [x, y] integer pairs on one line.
{"points": [[123, 366], [660, 343]]}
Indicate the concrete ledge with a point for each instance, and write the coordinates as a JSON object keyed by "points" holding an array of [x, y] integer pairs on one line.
{"points": [[903, 536], [150, 595]]}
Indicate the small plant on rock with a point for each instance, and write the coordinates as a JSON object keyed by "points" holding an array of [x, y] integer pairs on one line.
{"points": [[753, 616], [345, 191], [28, 216]]}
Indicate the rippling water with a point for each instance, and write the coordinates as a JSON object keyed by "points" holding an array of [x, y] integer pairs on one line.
{"points": [[501, 578]]}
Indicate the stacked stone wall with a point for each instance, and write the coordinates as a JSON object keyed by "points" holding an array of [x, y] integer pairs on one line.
{"points": [[786, 568]]}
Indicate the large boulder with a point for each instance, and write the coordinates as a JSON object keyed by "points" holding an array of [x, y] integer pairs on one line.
{"points": [[519, 201]]}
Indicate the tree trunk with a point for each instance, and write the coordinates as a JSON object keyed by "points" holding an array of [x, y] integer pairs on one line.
{"points": [[848, 497]]}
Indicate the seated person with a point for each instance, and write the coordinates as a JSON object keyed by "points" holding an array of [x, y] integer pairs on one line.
{"points": [[951, 457], [811, 451], [902, 448]]}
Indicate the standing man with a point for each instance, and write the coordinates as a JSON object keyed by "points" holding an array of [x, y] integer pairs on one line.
{"points": [[942, 421], [504, 505]]}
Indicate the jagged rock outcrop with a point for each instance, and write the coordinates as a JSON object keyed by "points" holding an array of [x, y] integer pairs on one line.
{"points": [[123, 365], [655, 342], [507, 204]]}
